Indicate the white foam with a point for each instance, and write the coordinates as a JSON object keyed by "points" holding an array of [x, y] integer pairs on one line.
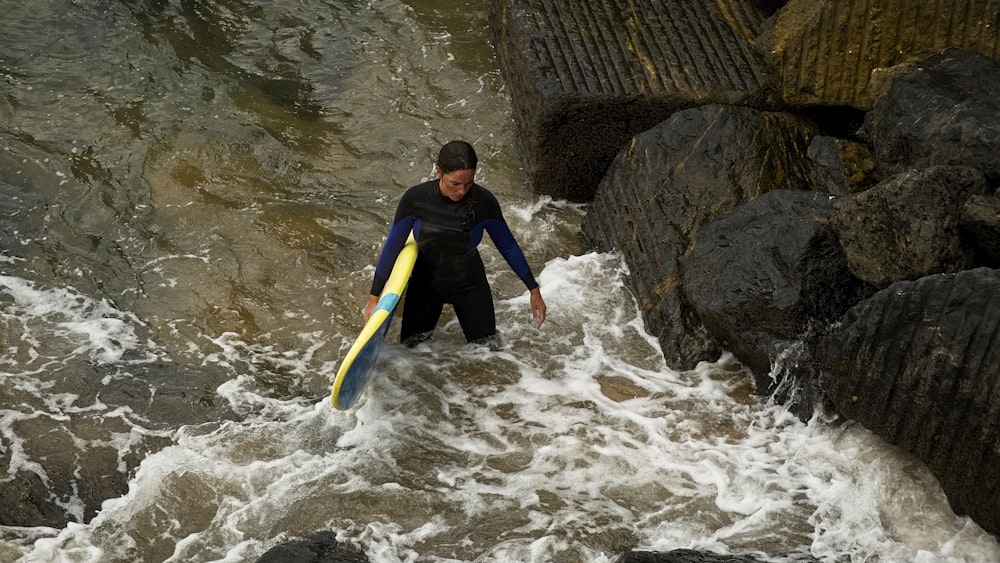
{"points": [[460, 454], [94, 327]]}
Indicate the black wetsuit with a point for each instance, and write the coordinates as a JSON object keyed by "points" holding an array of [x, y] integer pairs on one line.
{"points": [[449, 268]]}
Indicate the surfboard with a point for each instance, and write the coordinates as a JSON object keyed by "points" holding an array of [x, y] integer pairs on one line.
{"points": [[356, 369]]}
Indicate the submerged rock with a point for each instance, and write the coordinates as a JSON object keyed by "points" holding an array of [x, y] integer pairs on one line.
{"points": [[321, 547], [694, 556], [80, 465]]}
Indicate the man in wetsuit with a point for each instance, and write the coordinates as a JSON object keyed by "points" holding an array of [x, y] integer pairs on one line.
{"points": [[448, 216]]}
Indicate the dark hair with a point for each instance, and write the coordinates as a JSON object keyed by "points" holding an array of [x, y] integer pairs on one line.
{"points": [[457, 155]]}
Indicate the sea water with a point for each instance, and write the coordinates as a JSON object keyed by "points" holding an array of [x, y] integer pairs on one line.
{"points": [[195, 194], [576, 439]]}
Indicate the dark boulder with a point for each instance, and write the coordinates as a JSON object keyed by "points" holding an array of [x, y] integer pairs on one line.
{"points": [[942, 110], [672, 180], [585, 77], [762, 275], [919, 364], [908, 226]]}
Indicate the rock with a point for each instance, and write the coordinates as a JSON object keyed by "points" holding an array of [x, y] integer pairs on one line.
{"points": [[760, 275], [908, 226], [919, 364], [688, 200], [85, 463], [673, 179], [980, 222], [321, 547], [694, 556], [27, 502], [940, 111], [842, 167], [831, 52], [585, 77]]}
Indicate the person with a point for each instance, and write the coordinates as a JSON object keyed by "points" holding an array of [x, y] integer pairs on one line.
{"points": [[448, 216]]}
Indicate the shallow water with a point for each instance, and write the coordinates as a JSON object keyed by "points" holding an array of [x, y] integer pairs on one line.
{"points": [[195, 192]]}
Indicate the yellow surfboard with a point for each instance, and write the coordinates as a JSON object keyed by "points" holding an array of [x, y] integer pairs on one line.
{"points": [[355, 371]]}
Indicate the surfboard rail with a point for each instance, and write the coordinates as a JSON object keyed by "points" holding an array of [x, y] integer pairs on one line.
{"points": [[355, 369]]}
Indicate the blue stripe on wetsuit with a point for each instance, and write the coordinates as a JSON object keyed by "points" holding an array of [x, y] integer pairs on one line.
{"points": [[504, 240], [398, 234]]}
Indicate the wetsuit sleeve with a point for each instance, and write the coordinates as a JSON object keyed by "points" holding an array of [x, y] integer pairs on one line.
{"points": [[390, 250], [511, 251]]}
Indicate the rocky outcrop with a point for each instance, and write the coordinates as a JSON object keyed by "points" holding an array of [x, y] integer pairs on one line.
{"points": [[836, 52], [919, 364], [750, 289], [587, 76], [719, 259]]}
